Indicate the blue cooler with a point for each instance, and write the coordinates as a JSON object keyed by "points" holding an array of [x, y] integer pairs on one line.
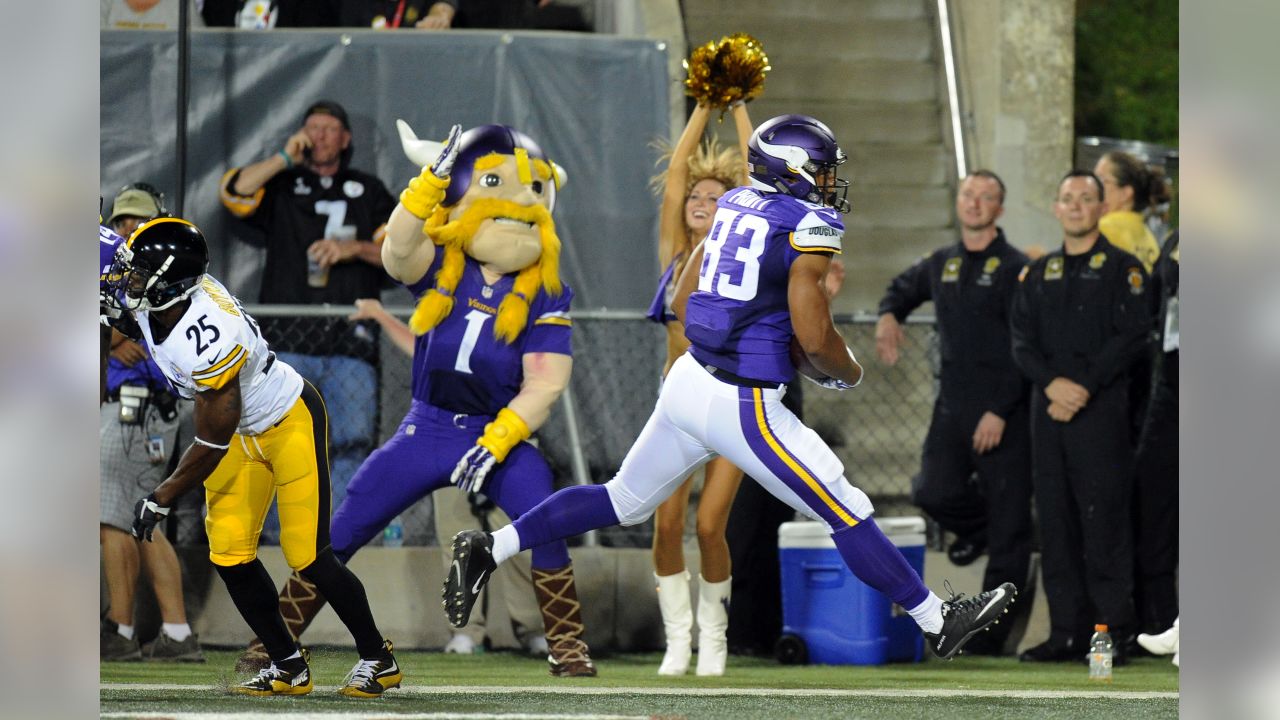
{"points": [[829, 617]]}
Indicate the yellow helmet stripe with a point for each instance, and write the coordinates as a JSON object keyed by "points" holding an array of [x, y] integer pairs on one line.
{"points": [[523, 170], [129, 243]]}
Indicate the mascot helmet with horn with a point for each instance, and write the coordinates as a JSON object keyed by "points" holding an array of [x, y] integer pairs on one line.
{"points": [[496, 208]]}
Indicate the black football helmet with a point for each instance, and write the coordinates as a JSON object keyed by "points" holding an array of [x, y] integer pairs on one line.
{"points": [[162, 262]]}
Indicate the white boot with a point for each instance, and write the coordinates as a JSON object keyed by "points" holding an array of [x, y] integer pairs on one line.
{"points": [[677, 619], [713, 626]]}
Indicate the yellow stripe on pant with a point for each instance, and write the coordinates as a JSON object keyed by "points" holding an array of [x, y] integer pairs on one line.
{"points": [[794, 465], [289, 462]]}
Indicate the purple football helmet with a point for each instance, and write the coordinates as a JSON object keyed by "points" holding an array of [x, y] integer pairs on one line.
{"points": [[482, 140], [788, 153]]}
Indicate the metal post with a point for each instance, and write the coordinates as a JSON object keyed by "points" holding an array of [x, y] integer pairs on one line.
{"points": [[580, 474], [180, 127]]}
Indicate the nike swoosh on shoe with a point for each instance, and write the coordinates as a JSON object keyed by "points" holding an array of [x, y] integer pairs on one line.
{"points": [[475, 589], [999, 595]]}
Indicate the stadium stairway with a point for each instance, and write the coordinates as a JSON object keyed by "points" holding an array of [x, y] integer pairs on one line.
{"points": [[870, 69]]}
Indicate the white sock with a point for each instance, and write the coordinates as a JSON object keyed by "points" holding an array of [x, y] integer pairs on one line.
{"points": [[126, 631], [928, 614], [506, 543], [177, 631]]}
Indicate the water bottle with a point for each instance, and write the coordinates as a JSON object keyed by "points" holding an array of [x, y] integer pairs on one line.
{"points": [[1101, 650], [393, 535]]}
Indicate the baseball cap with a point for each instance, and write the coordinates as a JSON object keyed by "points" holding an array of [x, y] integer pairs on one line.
{"points": [[134, 202], [328, 107]]}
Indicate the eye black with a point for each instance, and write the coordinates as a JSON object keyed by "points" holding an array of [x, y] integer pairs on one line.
{"points": [[490, 180]]}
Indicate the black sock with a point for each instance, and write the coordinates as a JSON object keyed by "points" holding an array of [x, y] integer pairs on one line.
{"points": [[254, 594], [344, 592]]}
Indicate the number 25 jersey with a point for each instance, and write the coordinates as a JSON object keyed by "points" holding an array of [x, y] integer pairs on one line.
{"points": [[738, 319], [217, 342]]}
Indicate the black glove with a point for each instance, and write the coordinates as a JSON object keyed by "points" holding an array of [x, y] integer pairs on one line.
{"points": [[146, 515]]}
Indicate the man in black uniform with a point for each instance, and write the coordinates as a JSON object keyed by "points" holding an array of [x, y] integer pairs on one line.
{"points": [[980, 415], [1156, 466], [1080, 319], [322, 224]]}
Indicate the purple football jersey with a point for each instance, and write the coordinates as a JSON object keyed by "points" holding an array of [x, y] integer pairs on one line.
{"points": [[738, 319], [108, 242], [460, 366]]}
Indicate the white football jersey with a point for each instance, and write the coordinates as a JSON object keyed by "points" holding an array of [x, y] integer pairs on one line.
{"points": [[217, 342]]}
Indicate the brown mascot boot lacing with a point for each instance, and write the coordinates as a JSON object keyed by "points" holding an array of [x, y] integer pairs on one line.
{"points": [[562, 620]]}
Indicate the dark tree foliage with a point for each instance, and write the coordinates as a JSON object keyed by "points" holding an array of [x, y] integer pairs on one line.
{"points": [[1127, 70]]}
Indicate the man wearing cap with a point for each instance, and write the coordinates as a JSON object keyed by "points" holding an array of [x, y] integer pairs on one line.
{"points": [[321, 222]]}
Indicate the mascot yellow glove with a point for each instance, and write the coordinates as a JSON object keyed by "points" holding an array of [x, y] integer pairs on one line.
{"points": [[424, 193], [505, 432]]}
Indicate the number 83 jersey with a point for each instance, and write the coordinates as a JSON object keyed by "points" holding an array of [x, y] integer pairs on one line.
{"points": [[216, 342], [738, 319]]}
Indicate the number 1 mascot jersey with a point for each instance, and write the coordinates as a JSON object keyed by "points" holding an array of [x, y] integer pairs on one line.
{"points": [[462, 376]]}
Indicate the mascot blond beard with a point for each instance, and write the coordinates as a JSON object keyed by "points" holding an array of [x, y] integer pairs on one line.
{"points": [[473, 238]]}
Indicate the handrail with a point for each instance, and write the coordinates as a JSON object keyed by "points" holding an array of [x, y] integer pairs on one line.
{"points": [[953, 92], [327, 310]]}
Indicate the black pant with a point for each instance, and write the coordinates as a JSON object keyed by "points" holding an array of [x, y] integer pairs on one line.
{"points": [[1156, 510], [999, 508], [755, 614], [1083, 483]]}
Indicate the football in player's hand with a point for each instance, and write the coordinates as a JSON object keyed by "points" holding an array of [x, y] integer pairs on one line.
{"points": [[803, 364]]}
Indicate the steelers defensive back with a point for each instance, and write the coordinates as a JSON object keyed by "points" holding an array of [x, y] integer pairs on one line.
{"points": [[261, 434]]}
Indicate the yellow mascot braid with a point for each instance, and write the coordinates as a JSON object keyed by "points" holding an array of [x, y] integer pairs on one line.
{"points": [[436, 304], [513, 312]]}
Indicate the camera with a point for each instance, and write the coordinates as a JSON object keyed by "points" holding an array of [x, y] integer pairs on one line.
{"points": [[133, 403]]}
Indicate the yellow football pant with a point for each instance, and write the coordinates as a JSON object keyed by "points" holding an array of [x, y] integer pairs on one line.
{"points": [[289, 462]]}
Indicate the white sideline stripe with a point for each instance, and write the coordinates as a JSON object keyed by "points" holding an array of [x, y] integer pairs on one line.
{"points": [[712, 692], [367, 716]]}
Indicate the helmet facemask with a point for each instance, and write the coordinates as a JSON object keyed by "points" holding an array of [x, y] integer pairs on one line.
{"points": [[828, 188], [142, 287]]}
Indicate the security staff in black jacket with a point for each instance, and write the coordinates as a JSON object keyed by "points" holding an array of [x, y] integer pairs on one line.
{"points": [[1080, 319], [1156, 466], [980, 420]]}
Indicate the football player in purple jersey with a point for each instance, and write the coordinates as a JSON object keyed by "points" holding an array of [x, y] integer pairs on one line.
{"points": [[752, 286], [473, 239]]}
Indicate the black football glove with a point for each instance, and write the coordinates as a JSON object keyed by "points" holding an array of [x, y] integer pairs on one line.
{"points": [[146, 515]]}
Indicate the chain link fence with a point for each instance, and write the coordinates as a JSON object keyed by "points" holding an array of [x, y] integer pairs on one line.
{"points": [[877, 429]]}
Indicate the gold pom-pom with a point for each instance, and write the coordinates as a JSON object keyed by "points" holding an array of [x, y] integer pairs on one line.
{"points": [[726, 71]]}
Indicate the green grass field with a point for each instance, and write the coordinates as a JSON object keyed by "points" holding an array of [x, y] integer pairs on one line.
{"points": [[506, 685]]}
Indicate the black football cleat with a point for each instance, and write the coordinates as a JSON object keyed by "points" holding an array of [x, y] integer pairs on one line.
{"points": [[287, 677], [963, 618], [468, 574], [371, 676]]}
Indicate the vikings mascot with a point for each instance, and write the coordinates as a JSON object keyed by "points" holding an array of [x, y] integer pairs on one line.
{"points": [[473, 240]]}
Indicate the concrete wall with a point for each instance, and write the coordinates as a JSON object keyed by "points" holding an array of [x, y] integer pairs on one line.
{"points": [[615, 585], [1016, 65]]}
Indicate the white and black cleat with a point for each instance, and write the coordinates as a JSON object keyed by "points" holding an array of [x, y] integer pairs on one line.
{"points": [[469, 572], [963, 618]]}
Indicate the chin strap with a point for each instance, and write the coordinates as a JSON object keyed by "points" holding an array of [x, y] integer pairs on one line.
{"points": [[505, 432]]}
